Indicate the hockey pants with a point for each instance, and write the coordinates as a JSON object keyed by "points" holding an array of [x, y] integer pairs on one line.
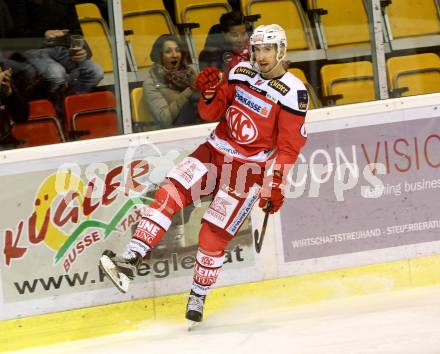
{"points": [[234, 187]]}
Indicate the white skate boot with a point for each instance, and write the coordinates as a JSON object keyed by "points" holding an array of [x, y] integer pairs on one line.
{"points": [[194, 309], [120, 268]]}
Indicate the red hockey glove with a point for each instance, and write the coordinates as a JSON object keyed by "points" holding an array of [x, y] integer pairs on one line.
{"points": [[208, 81], [272, 191]]}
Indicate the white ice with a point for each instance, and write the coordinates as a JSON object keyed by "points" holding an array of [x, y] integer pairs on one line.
{"points": [[397, 322]]}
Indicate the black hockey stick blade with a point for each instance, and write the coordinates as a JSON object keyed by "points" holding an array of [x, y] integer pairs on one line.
{"points": [[259, 238]]}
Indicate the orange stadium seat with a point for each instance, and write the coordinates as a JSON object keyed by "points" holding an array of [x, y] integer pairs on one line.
{"points": [[416, 74], [205, 14], [41, 109], [341, 26], [294, 21], [140, 115], [144, 21], [413, 24], [97, 34], [348, 82], [42, 128], [92, 115]]}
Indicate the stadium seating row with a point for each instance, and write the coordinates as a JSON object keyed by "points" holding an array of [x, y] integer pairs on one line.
{"points": [[94, 115], [91, 115], [140, 115], [353, 82], [338, 26], [407, 75]]}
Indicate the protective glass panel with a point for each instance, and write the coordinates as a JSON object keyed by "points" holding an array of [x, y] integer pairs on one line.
{"points": [[57, 73]]}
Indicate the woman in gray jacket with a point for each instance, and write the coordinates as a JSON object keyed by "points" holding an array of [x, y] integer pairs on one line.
{"points": [[169, 95]]}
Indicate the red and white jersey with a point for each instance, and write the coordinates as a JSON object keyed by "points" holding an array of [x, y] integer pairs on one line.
{"points": [[259, 118]]}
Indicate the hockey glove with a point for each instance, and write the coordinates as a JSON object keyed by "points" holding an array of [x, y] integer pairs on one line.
{"points": [[208, 81], [272, 191]]}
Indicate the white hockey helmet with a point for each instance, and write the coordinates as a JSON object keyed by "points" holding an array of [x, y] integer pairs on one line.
{"points": [[269, 34]]}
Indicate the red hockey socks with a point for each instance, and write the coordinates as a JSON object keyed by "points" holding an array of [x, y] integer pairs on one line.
{"points": [[150, 230], [206, 271], [156, 219]]}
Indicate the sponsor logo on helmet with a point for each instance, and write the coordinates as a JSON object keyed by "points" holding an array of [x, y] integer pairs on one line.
{"points": [[279, 86], [242, 127], [245, 71], [258, 37]]}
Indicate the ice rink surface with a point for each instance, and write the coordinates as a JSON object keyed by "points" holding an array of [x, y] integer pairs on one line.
{"points": [[397, 322]]}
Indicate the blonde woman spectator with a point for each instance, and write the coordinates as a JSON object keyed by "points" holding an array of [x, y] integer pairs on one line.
{"points": [[169, 95]]}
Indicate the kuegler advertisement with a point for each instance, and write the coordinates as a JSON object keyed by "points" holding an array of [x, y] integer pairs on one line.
{"points": [[364, 188], [61, 214]]}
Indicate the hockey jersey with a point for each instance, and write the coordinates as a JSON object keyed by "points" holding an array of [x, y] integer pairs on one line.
{"points": [[259, 118]]}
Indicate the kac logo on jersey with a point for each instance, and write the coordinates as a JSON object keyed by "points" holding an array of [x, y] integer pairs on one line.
{"points": [[243, 129], [254, 103]]}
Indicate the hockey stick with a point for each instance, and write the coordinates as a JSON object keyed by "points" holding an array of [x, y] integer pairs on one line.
{"points": [[259, 238]]}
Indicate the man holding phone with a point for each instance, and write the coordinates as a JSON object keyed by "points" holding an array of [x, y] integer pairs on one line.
{"points": [[64, 61]]}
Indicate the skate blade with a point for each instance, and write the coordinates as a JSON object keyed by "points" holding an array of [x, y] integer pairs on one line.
{"points": [[120, 280], [192, 325]]}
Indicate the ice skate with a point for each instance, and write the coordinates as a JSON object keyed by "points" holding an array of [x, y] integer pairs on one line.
{"points": [[194, 309], [120, 269]]}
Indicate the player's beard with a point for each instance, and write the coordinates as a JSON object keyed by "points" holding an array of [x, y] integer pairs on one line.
{"points": [[268, 70]]}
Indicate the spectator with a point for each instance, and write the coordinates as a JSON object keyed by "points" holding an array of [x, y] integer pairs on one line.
{"points": [[25, 77], [227, 43], [49, 24], [13, 108], [169, 95]]}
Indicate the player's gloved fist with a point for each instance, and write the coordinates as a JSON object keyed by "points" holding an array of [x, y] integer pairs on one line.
{"points": [[208, 81], [271, 195]]}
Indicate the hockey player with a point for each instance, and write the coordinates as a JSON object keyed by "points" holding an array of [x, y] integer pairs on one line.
{"points": [[261, 110]]}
